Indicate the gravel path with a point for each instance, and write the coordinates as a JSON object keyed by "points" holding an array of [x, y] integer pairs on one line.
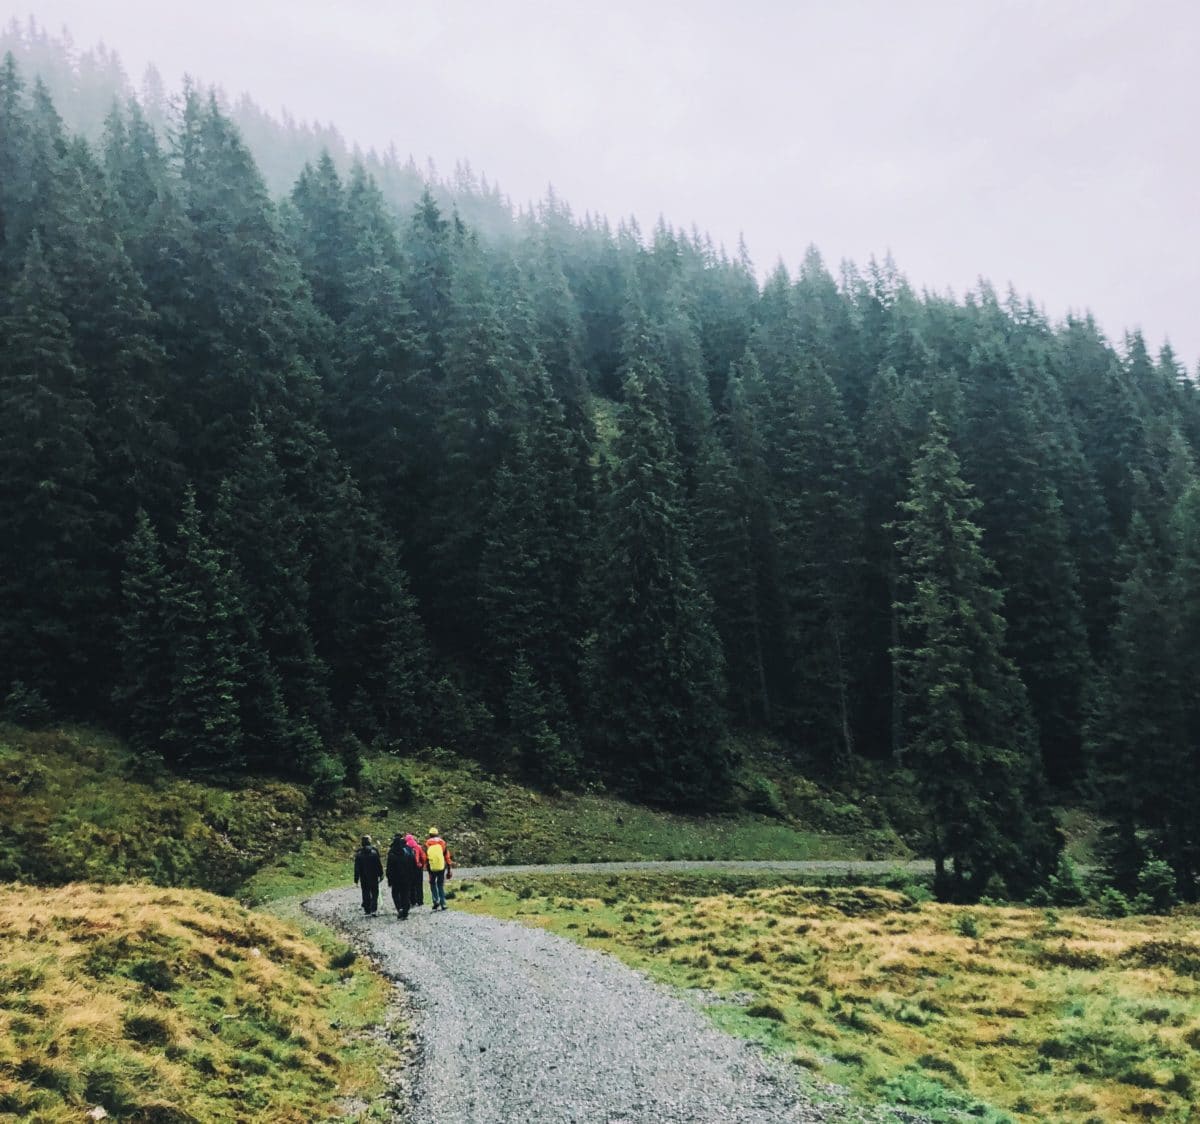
{"points": [[765, 866], [514, 1025]]}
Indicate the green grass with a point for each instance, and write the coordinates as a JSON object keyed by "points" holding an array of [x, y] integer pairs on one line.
{"points": [[488, 821], [175, 1006], [992, 1013], [76, 804]]}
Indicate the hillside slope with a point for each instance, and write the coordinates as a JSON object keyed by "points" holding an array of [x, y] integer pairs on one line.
{"points": [[76, 804]]}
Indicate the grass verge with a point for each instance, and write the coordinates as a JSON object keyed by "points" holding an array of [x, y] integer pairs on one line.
{"points": [[174, 1006], [988, 1013]]}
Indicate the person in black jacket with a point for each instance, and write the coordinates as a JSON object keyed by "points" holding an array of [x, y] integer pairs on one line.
{"points": [[402, 873], [368, 870]]}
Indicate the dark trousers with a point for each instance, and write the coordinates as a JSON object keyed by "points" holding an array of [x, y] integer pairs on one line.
{"points": [[400, 897], [437, 887], [417, 893], [370, 893]]}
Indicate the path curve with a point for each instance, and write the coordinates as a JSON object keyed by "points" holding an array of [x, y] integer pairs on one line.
{"points": [[514, 1025]]}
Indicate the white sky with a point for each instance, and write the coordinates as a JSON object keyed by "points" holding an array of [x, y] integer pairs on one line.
{"points": [[1049, 144]]}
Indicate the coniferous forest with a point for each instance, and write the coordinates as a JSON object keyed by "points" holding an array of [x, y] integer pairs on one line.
{"points": [[371, 457]]}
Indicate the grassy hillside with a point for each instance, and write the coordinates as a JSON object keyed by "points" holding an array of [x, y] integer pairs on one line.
{"points": [[490, 820], [173, 1006], [983, 1013], [77, 805]]}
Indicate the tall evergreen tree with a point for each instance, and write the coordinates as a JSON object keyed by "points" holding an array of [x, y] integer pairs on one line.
{"points": [[142, 696], [51, 591], [817, 489], [656, 682], [968, 735], [204, 730]]}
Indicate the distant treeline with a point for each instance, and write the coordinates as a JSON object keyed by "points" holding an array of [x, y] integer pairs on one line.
{"points": [[278, 478]]}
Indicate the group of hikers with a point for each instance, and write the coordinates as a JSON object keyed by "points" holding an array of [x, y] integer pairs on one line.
{"points": [[407, 862]]}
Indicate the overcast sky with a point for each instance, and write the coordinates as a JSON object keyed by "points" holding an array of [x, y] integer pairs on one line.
{"points": [[1049, 144]]}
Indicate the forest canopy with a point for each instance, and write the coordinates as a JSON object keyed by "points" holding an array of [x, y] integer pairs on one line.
{"points": [[370, 457]]}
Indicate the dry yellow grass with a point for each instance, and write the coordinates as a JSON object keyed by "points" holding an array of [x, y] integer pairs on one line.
{"points": [[171, 1005], [1019, 1013]]}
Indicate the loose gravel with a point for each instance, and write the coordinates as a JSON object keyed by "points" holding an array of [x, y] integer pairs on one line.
{"points": [[514, 1025]]}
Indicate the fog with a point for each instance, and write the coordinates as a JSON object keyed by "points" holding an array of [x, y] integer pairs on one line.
{"points": [[1050, 146]]}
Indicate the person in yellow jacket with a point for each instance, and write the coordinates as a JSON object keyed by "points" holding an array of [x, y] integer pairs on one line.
{"points": [[437, 860]]}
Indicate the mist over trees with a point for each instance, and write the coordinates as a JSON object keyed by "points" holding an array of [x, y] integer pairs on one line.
{"points": [[378, 460]]}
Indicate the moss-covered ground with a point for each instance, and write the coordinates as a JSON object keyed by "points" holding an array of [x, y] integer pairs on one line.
{"points": [[987, 1013], [175, 1005]]}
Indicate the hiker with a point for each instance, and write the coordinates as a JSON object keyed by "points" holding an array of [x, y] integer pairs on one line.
{"points": [[368, 871], [402, 872], [417, 892], [437, 856]]}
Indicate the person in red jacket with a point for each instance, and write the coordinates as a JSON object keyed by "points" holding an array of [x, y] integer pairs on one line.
{"points": [[437, 858], [418, 887]]}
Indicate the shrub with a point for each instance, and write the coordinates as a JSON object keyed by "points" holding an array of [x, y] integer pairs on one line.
{"points": [[1156, 888], [25, 706], [328, 777], [403, 791], [762, 796], [1065, 886], [966, 924], [1113, 903], [351, 753]]}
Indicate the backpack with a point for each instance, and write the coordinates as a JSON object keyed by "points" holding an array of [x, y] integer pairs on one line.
{"points": [[436, 856]]}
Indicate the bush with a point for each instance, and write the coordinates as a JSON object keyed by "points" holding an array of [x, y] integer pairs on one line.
{"points": [[966, 924], [1113, 903], [328, 778], [403, 791], [1065, 886], [25, 706], [762, 796], [1156, 888], [351, 753]]}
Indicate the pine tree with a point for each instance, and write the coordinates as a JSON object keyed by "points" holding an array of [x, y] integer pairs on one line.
{"points": [[324, 236], [542, 751], [17, 194], [51, 591], [656, 681], [1025, 536], [258, 525], [142, 696], [1181, 790], [725, 560], [819, 529], [1137, 730], [204, 727], [967, 732]]}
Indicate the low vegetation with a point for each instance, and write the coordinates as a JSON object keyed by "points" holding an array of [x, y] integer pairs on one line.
{"points": [[991, 1013], [489, 820], [77, 805], [173, 1006]]}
